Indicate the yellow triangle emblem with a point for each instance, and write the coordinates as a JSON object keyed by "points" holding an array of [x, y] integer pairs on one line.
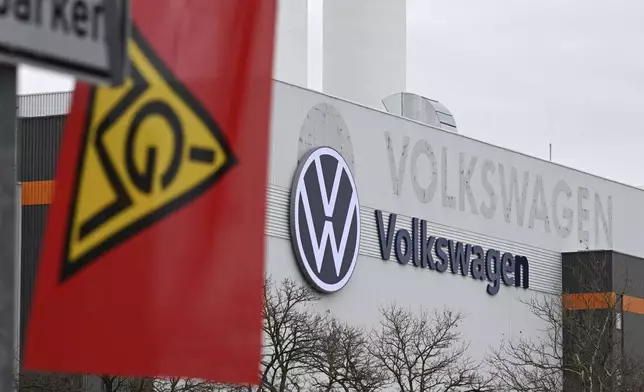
{"points": [[149, 149]]}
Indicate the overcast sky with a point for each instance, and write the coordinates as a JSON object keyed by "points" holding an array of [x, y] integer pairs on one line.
{"points": [[522, 74]]}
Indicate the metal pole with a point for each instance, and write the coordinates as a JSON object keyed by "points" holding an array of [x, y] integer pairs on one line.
{"points": [[8, 230], [550, 144]]}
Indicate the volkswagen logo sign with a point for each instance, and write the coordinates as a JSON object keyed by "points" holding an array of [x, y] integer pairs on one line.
{"points": [[325, 219]]}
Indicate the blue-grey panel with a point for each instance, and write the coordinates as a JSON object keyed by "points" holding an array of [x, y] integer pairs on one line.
{"points": [[628, 275], [39, 139], [33, 228], [587, 272], [633, 333]]}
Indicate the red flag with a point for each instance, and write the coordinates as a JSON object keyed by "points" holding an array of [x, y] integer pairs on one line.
{"points": [[154, 248]]}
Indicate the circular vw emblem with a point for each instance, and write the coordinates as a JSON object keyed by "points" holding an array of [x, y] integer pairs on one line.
{"points": [[325, 219]]}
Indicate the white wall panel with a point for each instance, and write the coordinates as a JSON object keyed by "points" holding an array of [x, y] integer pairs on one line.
{"points": [[365, 49], [291, 42], [545, 266], [376, 283], [375, 139]]}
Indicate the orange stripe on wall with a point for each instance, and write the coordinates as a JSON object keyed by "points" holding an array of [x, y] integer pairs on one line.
{"points": [[37, 192], [589, 301], [633, 304]]}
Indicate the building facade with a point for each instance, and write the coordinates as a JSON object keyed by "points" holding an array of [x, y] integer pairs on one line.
{"points": [[370, 209]]}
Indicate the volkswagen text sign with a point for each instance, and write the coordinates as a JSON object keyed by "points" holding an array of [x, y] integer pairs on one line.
{"points": [[85, 38], [325, 219]]}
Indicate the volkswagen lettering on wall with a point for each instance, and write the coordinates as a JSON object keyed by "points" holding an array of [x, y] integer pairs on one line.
{"points": [[325, 219]]}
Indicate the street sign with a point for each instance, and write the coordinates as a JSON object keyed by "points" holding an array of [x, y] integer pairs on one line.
{"points": [[83, 38], [153, 260]]}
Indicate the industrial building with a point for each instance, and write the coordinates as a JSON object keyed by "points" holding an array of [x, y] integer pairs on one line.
{"points": [[425, 205], [375, 195]]}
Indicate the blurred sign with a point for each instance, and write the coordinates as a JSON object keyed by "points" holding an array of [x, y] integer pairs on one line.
{"points": [[84, 38], [154, 247]]}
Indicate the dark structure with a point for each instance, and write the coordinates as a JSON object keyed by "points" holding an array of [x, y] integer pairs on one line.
{"points": [[41, 120], [603, 317]]}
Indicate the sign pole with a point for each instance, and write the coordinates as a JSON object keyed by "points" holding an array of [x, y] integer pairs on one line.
{"points": [[9, 255]]}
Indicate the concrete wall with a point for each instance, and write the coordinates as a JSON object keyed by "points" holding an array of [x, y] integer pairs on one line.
{"points": [[365, 49], [358, 53], [291, 44]]}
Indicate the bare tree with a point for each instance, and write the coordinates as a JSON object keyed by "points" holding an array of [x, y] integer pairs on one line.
{"points": [[290, 336], [175, 384], [426, 352], [290, 330], [581, 347], [306, 351], [46, 382], [232, 388], [31, 381], [361, 371], [122, 384], [342, 361], [324, 365]]}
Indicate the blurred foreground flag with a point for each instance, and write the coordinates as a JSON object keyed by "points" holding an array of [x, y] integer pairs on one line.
{"points": [[152, 263]]}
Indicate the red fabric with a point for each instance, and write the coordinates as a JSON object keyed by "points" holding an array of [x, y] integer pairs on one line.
{"points": [[184, 296]]}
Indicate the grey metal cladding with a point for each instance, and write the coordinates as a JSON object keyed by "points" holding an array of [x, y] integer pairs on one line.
{"points": [[33, 228], [439, 107], [39, 140], [633, 334], [586, 271], [628, 275], [446, 119], [47, 104], [621, 273]]}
